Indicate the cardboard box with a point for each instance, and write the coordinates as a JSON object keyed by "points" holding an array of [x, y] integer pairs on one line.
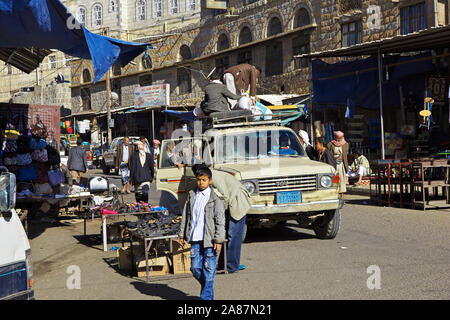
{"points": [[181, 258], [157, 266], [124, 258]]}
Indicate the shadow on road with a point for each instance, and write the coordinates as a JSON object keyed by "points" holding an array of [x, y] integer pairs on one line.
{"points": [[90, 240], [279, 233], [362, 202], [162, 290]]}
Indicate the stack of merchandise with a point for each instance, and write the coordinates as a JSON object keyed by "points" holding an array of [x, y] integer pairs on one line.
{"points": [[31, 159], [156, 225], [121, 208]]}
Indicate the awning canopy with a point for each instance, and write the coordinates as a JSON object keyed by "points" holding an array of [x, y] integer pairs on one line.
{"points": [[24, 59], [47, 24], [431, 38]]}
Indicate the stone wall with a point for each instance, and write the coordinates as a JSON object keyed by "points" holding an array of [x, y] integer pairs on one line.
{"points": [[380, 19]]}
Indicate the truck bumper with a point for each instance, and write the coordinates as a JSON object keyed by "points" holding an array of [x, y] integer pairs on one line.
{"points": [[323, 205], [24, 295]]}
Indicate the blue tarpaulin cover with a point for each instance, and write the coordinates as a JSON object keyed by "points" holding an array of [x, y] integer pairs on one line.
{"points": [[360, 89], [48, 24]]}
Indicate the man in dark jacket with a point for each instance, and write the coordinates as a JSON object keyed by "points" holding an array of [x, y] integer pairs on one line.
{"points": [[77, 162], [323, 154], [142, 172], [216, 94]]}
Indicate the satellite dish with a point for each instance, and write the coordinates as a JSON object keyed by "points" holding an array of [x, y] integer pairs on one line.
{"points": [[114, 96]]}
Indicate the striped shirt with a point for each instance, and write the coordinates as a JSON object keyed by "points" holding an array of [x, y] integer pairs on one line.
{"points": [[198, 214]]}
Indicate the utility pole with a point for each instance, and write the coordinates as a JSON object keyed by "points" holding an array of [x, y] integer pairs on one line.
{"points": [[108, 100], [108, 106]]}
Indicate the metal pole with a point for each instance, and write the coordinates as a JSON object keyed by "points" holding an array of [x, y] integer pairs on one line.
{"points": [[311, 104], [108, 106], [380, 94], [153, 125]]}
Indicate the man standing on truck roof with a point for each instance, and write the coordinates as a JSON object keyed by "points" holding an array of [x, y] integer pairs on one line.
{"points": [[216, 94], [242, 78]]}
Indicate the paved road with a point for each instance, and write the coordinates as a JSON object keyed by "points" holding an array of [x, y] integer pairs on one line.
{"points": [[411, 248]]}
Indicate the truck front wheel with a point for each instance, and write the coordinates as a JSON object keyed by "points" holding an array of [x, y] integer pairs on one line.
{"points": [[327, 226]]}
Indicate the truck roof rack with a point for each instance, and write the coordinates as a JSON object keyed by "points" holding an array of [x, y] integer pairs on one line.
{"points": [[223, 124]]}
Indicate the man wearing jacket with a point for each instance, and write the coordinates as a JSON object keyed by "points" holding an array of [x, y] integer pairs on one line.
{"points": [[77, 162], [237, 201], [242, 78], [124, 153], [216, 94]]}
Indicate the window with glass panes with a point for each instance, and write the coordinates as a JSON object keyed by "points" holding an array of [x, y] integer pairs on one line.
{"points": [[300, 45], [157, 8], [140, 10], [413, 18], [222, 64], [184, 81], [244, 57], [351, 33], [97, 15]]}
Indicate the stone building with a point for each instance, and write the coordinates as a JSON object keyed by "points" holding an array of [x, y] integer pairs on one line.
{"points": [[265, 33]]}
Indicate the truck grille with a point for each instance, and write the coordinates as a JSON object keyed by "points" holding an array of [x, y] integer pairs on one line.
{"points": [[294, 183]]}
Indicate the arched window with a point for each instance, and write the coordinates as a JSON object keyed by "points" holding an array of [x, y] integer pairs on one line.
{"points": [[173, 7], [245, 36], [141, 11], [302, 18], [86, 76], [97, 15], [185, 53], [274, 27], [113, 6], [81, 15], [147, 62], [157, 8], [223, 42]]}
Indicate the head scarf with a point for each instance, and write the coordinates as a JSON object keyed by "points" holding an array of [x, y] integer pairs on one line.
{"points": [[141, 149], [304, 135], [156, 141], [340, 139]]}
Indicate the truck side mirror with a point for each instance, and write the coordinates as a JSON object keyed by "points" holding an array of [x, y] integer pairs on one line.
{"points": [[7, 191]]}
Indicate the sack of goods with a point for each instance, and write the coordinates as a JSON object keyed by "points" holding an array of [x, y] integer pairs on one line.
{"points": [[98, 184]]}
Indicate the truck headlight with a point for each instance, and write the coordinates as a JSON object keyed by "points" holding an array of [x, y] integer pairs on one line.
{"points": [[29, 263], [250, 186], [326, 181]]}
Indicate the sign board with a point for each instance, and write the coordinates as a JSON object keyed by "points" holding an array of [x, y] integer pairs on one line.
{"points": [[152, 96], [216, 4]]}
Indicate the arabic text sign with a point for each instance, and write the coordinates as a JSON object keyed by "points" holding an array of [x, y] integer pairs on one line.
{"points": [[152, 96], [216, 4]]}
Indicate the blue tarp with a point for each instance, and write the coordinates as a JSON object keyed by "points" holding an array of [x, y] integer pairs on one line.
{"points": [[183, 115], [360, 89], [48, 24]]}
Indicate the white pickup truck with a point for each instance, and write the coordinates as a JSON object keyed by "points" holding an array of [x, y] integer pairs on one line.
{"points": [[16, 268]]}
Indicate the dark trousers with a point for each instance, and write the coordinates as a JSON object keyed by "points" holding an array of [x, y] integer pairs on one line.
{"points": [[235, 231]]}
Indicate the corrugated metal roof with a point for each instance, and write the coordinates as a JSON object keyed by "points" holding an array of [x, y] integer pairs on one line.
{"points": [[431, 38], [24, 59]]}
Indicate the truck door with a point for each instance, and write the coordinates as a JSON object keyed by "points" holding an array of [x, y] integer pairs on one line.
{"points": [[175, 173]]}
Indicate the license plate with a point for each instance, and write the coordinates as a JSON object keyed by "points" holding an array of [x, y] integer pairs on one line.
{"points": [[289, 197]]}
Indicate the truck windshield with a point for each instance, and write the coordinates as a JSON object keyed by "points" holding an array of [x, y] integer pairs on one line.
{"points": [[257, 145]]}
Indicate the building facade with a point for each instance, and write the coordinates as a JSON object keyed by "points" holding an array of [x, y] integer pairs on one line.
{"points": [[264, 33]]}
